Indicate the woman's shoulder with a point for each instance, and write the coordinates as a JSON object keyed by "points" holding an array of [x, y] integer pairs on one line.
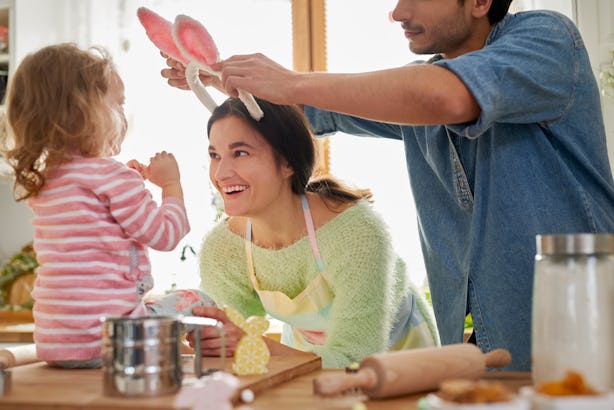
{"points": [[357, 222], [221, 245], [361, 211], [222, 232], [326, 210]]}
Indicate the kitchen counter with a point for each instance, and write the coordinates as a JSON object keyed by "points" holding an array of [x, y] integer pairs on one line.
{"points": [[16, 326], [16, 333], [37, 386]]}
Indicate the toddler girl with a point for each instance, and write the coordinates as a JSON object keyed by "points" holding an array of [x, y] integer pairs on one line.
{"points": [[94, 218]]}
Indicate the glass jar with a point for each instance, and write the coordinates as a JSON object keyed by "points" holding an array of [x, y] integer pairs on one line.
{"points": [[573, 311]]}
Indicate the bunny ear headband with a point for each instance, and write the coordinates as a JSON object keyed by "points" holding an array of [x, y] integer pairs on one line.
{"points": [[189, 42]]}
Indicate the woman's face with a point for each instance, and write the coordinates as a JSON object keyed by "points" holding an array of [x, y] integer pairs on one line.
{"points": [[244, 170]]}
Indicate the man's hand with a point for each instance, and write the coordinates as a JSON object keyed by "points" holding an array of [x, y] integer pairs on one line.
{"points": [[175, 75], [258, 75]]}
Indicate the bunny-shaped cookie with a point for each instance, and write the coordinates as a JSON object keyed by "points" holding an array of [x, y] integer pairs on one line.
{"points": [[252, 354], [187, 41]]}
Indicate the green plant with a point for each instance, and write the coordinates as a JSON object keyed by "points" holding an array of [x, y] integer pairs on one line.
{"points": [[468, 322], [217, 203], [607, 79], [22, 263]]}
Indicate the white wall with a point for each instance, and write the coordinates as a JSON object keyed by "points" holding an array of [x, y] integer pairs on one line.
{"points": [[35, 23], [15, 229], [39, 23]]}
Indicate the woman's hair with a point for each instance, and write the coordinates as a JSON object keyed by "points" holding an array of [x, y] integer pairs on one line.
{"points": [[56, 109], [285, 129]]}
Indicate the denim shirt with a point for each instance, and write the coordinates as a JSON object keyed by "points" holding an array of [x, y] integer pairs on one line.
{"points": [[534, 162]]}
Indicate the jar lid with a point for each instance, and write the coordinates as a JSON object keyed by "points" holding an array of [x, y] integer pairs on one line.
{"points": [[575, 244]]}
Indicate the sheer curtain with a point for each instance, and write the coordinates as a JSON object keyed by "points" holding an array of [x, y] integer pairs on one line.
{"points": [[369, 40]]}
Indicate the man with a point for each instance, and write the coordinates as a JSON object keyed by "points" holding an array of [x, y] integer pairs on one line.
{"points": [[504, 140]]}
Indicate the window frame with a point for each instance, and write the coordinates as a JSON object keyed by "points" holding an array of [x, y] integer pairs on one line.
{"points": [[309, 54]]}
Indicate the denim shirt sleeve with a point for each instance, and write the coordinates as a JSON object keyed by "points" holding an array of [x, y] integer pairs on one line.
{"points": [[325, 123], [526, 73]]}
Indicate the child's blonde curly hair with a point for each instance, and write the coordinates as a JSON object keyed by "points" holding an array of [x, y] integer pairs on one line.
{"points": [[56, 109]]}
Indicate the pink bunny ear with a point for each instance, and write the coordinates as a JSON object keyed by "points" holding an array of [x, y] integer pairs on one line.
{"points": [[194, 41], [160, 32]]}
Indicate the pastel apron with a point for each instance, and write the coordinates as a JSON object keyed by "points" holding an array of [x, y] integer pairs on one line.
{"points": [[306, 316]]}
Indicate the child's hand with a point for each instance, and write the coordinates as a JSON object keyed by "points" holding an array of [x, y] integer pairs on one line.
{"points": [[164, 172], [138, 167], [163, 169]]}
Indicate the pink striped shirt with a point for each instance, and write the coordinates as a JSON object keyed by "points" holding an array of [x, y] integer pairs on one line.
{"points": [[94, 220]]}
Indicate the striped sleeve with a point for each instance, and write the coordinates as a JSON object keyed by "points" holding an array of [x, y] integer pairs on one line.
{"points": [[132, 206]]}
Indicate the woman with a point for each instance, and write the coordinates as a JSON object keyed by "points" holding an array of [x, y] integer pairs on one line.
{"points": [[309, 252]]}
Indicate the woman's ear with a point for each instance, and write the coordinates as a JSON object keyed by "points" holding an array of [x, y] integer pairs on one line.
{"points": [[286, 170]]}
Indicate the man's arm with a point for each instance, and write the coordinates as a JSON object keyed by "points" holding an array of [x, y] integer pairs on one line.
{"points": [[417, 94]]}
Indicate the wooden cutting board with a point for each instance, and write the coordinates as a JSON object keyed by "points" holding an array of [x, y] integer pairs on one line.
{"points": [[38, 386]]}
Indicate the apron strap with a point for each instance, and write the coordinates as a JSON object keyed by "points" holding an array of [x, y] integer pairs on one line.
{"points": [[248, 253], [312, 233]]}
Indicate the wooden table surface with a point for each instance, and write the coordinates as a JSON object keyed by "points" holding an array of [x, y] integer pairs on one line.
{"points": [[37, 386], [298, 394], [16, 327]]}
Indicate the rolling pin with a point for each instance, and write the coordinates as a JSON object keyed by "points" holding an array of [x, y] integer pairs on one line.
{"points": [[18, 355], [404, 372]]}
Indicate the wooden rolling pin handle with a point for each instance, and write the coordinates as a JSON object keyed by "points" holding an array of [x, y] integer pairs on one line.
{"points": [[498, 358], [333, 384], [7, 359], [18, 355]]}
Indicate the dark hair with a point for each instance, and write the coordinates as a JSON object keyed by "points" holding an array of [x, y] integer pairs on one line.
{"points": [[286, 130], [498, 10]]}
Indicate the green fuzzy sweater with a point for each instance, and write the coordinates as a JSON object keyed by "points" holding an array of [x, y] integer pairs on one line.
{"points": [[366, 276]]}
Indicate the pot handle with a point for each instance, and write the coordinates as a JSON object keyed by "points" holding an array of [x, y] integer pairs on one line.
{"points": [[198, 322]]}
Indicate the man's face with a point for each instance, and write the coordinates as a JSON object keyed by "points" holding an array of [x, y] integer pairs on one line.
{"points": [[435, 26]]}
